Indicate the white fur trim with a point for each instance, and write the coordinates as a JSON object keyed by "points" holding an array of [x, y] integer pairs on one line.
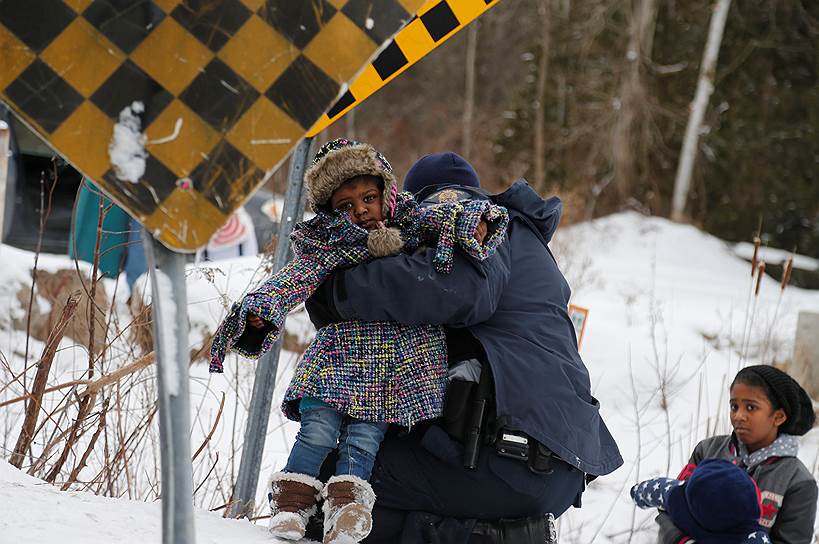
{"points": [[296, 477], [384, 242], [359, 511], [362, 490], [304, 514], [324, 177], [293, 519]]}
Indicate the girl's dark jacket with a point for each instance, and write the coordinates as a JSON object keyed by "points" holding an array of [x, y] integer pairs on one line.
{"points": [[787, 488], [515, 304]]}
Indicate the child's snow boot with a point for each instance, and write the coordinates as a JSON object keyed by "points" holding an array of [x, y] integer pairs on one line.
{"points": [[348, 507], [293, 498]]}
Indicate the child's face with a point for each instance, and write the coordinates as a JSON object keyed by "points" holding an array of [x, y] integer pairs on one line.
{"points": [[361, 197], [755, 421]]}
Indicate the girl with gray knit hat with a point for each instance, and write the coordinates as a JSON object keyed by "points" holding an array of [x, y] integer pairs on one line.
{"points": [[769, 412], [355, 377]]}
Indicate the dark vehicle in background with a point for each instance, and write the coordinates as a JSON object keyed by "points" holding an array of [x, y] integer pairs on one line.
{"points": [[35, 171]]}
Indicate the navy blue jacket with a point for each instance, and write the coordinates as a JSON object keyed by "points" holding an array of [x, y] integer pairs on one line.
{"points": [[515, 304]]}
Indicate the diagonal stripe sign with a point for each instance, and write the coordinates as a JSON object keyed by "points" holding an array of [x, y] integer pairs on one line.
{"points": [[435, 22], [195, 102]]}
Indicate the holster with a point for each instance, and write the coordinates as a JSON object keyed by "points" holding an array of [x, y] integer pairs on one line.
{"points": [[468, 412], [469, 418], [521, 447], [534, 529], [459, 396]]}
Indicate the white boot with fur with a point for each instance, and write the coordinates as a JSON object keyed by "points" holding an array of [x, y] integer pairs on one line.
{"points": [[348, 507], [293, 499]]}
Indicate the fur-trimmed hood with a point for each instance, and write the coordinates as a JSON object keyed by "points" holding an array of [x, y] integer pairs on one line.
{"points": [[340, 160]]}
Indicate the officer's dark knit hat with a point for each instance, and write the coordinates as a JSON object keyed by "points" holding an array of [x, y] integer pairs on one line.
{"points": [[446, 168], [340, 160], [718, 504], [783, 392]]}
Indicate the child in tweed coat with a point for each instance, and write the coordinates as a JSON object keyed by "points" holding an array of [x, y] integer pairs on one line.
{"points": [[355, 377]]}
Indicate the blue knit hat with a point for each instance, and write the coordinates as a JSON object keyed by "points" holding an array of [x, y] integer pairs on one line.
{"points": [[446, 168], [718, 504]]}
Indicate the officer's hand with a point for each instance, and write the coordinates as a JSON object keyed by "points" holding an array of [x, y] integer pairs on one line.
{"points": [[481, 231]]}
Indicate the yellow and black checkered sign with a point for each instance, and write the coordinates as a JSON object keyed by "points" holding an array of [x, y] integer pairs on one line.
{"points": [[434, 23], [228, 88]]}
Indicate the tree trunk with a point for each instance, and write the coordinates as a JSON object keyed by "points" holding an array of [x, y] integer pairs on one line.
{"points": [[629, 140], [5, 137], [349, 120], [469, 91], [539, 144], [705, 86]]}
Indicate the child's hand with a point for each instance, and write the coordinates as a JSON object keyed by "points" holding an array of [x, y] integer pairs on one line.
{"points": [[255, 321], [481, 232]]}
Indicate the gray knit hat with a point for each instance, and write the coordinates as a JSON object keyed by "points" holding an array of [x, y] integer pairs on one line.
{"points": [[342, 159]]}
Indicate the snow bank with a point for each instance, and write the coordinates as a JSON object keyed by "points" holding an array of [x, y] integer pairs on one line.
{"points": [[42, 513], [668, 309]]}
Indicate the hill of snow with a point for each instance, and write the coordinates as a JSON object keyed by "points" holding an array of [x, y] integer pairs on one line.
{"points": [[37, 512], [668, 307]]}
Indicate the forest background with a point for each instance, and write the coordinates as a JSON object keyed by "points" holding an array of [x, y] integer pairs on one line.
{"points": [[589, 99]]}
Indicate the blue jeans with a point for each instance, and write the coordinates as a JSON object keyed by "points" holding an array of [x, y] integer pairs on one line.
{"points": [[324, 429]]}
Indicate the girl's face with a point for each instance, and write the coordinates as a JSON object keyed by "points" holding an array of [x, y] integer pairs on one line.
{"points": [[361, 197], [755, 421]]}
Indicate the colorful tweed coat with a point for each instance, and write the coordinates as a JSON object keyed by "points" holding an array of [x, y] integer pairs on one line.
{"points": [[375, 371]]}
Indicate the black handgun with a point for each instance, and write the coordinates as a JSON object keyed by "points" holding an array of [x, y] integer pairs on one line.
{"points": [[475, 422]]}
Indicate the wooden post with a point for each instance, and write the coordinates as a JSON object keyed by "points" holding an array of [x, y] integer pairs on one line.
{"points": [[469, 88], [805, 367], [5, 140]]}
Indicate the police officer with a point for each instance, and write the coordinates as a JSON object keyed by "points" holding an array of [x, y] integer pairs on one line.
{"points": [[541, 436]]}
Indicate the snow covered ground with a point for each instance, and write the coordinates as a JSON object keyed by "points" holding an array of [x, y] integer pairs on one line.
{"points": [[668, 307], [37, 512]]}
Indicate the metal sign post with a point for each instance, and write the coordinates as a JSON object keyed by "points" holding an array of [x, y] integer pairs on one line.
{"points": [[169, 302], [265, 381]]}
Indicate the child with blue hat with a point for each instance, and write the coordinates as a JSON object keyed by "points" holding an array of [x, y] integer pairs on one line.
{"points": [[718, 504]]}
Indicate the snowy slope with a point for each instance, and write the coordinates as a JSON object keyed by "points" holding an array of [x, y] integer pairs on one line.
{"points": [[36, 512], [665, 302], [668, 307]]}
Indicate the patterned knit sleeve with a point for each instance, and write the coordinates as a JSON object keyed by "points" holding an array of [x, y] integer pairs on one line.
{"points": [[321, 245], [454, 224]]}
